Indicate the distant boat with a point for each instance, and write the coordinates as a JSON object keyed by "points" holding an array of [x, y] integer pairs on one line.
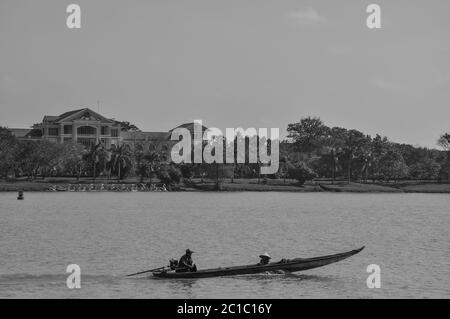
{"points": [[290, 265]]}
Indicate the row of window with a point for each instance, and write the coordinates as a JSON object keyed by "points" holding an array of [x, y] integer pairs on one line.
{"points": [[53, 131], [84, 130]]}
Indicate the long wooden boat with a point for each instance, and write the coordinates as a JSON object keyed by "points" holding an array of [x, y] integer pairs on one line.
{"points": [[290, 265]]}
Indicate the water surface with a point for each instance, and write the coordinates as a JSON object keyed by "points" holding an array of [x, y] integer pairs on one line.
{"points": [[112, 234]]}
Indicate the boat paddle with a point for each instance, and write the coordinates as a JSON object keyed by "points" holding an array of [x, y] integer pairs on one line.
{"points": [[143, 272]]}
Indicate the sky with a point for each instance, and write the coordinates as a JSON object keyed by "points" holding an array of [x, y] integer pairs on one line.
{"points": [[231, 63]]}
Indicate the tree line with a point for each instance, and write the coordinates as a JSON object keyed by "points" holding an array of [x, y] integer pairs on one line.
{"points": [[336, 152], [311, 150]]}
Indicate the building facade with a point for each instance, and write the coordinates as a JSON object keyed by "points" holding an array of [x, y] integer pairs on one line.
{"points": [[82, 126], [89, 128]]}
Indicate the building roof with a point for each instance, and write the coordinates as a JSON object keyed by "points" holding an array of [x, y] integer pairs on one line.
{"points": [[67, 114], [59, 118], [50, 118]]}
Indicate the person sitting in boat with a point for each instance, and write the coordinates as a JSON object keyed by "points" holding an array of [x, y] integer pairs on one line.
{"points": [[265, 258], [186, 264]]}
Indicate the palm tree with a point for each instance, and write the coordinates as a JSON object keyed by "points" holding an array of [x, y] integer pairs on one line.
{"points": [[153, 161], [334, 151], [141, 169], [121, 159], [96, 155]]}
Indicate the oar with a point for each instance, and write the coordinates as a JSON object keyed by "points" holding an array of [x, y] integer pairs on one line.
{"points": [[143, 272]]}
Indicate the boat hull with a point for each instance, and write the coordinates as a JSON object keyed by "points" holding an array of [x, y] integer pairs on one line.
{"points": [[292, 265]]}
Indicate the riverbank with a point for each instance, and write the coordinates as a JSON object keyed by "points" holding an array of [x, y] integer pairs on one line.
{"points": [[241, 185], [253, 185], [359, 188], [403, 187]]}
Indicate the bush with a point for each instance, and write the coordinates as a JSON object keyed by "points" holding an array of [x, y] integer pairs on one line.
{"points": [[164, 177], [186, 171], [301, 172], [175, 174], [170, 175]]}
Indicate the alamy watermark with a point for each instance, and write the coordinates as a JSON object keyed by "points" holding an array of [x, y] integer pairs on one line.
{"points": [[374, 279], [74, 279], [237, 146], [373, 20]]}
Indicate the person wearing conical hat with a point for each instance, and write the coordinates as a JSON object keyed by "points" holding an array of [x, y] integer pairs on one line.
{"points": [[265, 258], [186, 264]]}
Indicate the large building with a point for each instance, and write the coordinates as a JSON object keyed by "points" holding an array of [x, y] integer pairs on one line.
{"points": [[90, 128], [82, 126]]}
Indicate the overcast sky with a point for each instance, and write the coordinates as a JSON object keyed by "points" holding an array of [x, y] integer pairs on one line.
{"points": [[231, 63]]}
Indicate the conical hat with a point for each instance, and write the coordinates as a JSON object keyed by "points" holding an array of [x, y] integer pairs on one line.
{"points": [[266, 255]]}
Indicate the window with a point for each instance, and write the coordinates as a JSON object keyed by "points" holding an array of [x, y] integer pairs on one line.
{"points": [[114, 132], [87, 142], [104, 130], [67, 129], [67, 139], [86, 130], [53, 131]]}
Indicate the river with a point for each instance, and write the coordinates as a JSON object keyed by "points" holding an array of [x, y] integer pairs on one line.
{"points": [[110, 235]]}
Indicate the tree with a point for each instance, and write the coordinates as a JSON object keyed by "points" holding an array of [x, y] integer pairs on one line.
{"points": [[96, 160], [147, 162], [126, 126], [308, 134], [426, 168], [351, 153], [71, 161], [175, 174], [392, 164], [121, 160], [50, 155], [164, 177], [444, 172], [152, 163], [335, 142], [8, 148], [301, 172], [355, 147], [34, 157], [351, 148], [141, 168], [444, 141], [186, 171], [169, 175], [379, 148]]}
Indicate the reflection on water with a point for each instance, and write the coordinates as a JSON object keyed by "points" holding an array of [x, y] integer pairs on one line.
{"points": [[110, 235]]}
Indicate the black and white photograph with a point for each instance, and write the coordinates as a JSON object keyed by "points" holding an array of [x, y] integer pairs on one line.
{"points": [[224, 150]]}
